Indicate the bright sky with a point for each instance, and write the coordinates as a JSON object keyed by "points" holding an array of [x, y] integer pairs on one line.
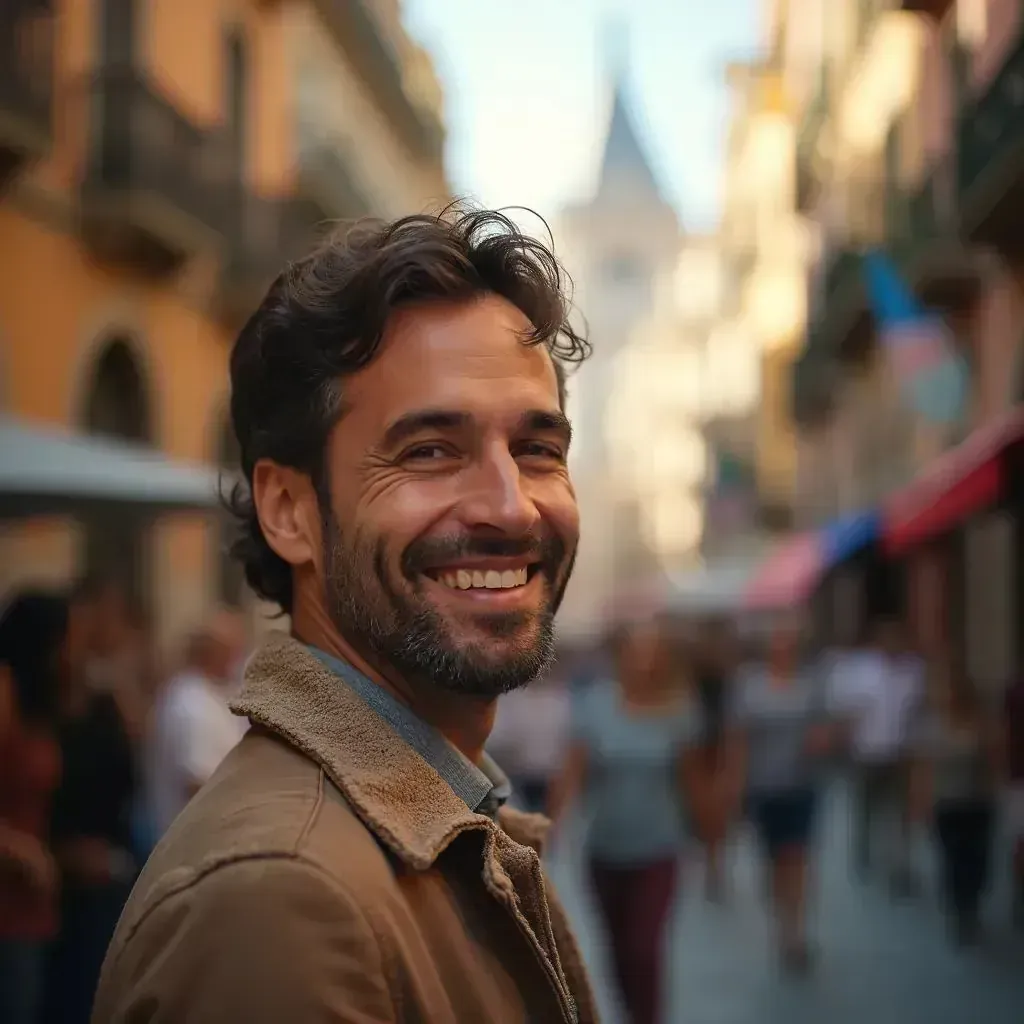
{"points": [[527, 93]]}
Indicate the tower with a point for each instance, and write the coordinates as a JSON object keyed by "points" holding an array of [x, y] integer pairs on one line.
{"points": [[617, 244]]}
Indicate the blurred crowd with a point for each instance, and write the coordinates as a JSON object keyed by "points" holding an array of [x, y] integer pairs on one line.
{"points": [[667, 739], [100, 748], [679, 735]]}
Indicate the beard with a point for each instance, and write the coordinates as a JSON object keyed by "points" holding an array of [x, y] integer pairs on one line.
{"points": [[399, 626]]}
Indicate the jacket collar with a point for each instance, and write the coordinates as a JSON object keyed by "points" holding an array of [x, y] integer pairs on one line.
{"points": [[395, 792]]}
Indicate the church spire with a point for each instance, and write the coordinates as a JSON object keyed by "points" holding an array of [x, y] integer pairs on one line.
{"points": [[624, 166]]}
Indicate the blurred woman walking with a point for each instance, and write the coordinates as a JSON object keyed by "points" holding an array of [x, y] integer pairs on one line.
{"points": [[785, 729], [635, 761]]}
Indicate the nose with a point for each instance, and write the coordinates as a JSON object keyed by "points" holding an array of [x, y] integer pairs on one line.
{"points": [[495, 498]]}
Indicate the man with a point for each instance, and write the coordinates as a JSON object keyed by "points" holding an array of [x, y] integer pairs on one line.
{"points": [[193, 729], [714, 666], [883, 695], [398, 402], [1013, 717]]}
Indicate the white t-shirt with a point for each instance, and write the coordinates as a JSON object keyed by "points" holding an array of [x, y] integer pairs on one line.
{"points": [[841, 670], [531, 727], [192, 731], [882, 695]]}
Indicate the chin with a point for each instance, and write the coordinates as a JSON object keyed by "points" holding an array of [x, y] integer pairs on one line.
{"points": [[498, 634]]}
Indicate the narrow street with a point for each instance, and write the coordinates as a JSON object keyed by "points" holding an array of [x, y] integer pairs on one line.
{"points": [[879, 962]]}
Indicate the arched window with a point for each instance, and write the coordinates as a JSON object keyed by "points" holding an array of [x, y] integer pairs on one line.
{"points": [[117, 406]]}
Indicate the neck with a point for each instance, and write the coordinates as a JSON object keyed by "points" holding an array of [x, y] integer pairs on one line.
{"points": [[465, 722]]}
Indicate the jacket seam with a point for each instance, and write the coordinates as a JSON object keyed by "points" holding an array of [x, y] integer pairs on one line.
{"points": [[383, 948], [314, 813]]}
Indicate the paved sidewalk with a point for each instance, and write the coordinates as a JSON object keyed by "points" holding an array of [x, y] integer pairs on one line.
{"points": [[880, 962]]}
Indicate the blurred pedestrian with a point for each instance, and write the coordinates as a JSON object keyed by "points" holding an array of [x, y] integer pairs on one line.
{"points": [[33, 671], [530, 731], [92, 821], [1013, 754], [714, 662], [635, 763], [782, 716], [956, 769], [883, 700], [192, 727]]}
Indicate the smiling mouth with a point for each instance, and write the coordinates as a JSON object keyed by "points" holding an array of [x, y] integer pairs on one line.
{"points": [[484, 579]]}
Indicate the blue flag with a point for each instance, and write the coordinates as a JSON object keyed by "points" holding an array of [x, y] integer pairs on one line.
{"points": [[918, 343]]}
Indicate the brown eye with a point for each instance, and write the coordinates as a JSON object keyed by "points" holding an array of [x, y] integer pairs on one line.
{"points": [[539, 451], [429, 453]]}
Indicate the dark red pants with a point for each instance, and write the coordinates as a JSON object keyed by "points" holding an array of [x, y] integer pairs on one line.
{"points": [[635, 903]]}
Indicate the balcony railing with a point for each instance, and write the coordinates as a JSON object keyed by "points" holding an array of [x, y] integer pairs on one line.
{"points": [[358, 32], [923, 236], [991, 158], [868, 14], [843, 266], [912, 217], [809, 134], [812, 382], [26, 81], [936, 9], [326, 178], [154, 180], [265, 234], [840, 303]]}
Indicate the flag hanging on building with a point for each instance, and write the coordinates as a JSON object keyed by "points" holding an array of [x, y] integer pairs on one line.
{"points": [[919, 344]]}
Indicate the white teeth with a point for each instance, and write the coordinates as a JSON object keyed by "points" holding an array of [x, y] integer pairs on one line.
{"points": [[464, 579]]}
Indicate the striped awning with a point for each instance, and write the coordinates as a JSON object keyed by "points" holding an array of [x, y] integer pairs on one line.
{"points": [[788, 575]]}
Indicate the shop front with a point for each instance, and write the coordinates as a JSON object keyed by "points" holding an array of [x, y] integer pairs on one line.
{"points": [[957, 529]]}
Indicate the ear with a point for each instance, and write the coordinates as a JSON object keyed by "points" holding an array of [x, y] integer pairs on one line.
{"points": [[286, 506]]}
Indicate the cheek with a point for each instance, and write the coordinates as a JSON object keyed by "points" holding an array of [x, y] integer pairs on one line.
{"points": [[384, 530], [406, 509], [559, 510]]}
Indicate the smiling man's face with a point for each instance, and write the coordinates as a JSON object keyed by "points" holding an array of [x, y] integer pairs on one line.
{"points": [[452, 523]]}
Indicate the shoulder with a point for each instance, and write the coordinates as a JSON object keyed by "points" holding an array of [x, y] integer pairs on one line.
{"points": [[266, 938], [266, 803], [267, 859]]}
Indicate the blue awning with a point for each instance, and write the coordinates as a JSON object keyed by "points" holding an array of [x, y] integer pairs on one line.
{"points": [[848, 535]]}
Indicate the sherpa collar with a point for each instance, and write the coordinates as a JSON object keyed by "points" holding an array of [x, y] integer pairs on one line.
{"points": [[396, 793]]}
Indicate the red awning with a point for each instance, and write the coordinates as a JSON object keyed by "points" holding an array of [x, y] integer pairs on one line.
{"points": [[959, 483], [788, 575]]}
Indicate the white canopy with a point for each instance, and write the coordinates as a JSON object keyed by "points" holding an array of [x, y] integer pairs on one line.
{"points": [[45, 472], [716, 588]]}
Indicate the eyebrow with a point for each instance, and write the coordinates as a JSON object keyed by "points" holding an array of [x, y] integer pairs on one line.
{"points": [[413, 423], [545, 422]]}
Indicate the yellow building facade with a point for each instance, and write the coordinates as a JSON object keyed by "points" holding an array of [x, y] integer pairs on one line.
{"points": [[160, 162]]}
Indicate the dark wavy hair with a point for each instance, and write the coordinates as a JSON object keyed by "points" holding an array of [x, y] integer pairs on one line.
{"points": [[33, 629], [324, 318]]}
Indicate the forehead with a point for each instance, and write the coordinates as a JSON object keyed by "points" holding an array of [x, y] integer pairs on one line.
{"points": [[466, 356]]}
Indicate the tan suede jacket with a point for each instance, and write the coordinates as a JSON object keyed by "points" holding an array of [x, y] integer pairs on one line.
{"points": [[327, 873]]}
